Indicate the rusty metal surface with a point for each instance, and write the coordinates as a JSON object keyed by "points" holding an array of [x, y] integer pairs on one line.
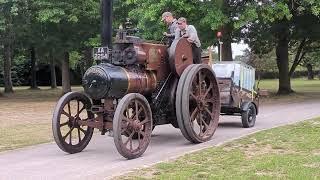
{"points": [[232, 96], [180, 55], [143, 82], [157, 59], [132, 125], [199, 104]]}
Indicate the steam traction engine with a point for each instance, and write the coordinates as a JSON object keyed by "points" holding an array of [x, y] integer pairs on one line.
{"points": [[137, 86]]}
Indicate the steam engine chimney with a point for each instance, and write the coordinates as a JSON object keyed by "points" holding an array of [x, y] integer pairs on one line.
{"points": [[106, 13]]}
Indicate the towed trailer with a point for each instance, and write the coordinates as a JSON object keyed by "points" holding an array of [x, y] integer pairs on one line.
{"points": [[237, 90]]}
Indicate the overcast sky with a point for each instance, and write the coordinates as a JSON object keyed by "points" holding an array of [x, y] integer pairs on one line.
{"points": [[237, 49]]}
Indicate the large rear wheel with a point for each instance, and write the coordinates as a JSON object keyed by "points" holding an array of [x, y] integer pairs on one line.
{"points": [[179, 102], [200, 103]]}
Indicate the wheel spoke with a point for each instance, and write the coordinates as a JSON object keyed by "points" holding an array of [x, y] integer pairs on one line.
{"points": [[210, 113], [200, 80], [66, 114], [69, 109], [193, 96], [145, 121], [194, 114], [143, 134], [79, 112], [64, 137], [78, 107], [140, 110], [131, 144], [130, 137], [204, 123], [70, 138], [200, 124], [212, 100], [137, 109], [136, 114], [208, 90], [126, 119], [63, 124], [84, 131], [79, 135], [127, 112]]}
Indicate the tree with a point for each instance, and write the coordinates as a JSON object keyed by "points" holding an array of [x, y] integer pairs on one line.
{"points": [[68, 25], [279, 23]]}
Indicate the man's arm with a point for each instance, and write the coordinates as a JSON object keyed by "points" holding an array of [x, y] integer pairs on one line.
{"points": [[172, 30], [192, 33], [177, 33]]}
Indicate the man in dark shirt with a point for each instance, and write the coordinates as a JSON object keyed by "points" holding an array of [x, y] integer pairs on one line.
{"points": [[172, 24]]}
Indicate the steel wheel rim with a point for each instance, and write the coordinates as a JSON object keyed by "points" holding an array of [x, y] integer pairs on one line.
{"points": [[72, 124], [132, 117], [202, 103]]}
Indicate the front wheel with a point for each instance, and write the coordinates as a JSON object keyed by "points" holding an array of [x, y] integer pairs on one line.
{"points": [[132, 125], [68, 134]]}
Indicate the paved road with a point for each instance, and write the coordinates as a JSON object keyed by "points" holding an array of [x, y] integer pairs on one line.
{"points": [[100, 160]]}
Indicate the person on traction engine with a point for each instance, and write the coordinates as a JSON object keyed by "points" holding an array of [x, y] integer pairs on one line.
{"points": [[190, 32]]}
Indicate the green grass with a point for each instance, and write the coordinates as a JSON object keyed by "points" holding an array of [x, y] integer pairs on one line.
{"points": [[289, 152], [304, 90], [298, 85]]}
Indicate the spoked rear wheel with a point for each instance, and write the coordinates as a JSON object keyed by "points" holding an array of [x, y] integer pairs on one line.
{"points": [[68, 134], [200, 103], [132, 125]]}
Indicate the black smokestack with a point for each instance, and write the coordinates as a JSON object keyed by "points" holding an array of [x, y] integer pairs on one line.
{"points": [[106, 12]]}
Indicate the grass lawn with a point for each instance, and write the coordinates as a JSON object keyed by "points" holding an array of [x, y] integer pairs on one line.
{"points": [[304, 90], [25, 117], [289, 152]]}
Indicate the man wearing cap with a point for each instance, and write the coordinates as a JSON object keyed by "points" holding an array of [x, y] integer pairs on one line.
{"points": [[172, 26], [189, 32]]}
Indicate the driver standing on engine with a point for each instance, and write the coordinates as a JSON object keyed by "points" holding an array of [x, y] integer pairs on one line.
{"points": [[172, 24]]}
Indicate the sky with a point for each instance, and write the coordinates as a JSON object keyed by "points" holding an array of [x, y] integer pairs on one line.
{"points": [[237, 49]]}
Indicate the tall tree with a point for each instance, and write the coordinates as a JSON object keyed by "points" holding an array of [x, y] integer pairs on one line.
{"points": [[279, 23], [33, 68], [69, 25]]}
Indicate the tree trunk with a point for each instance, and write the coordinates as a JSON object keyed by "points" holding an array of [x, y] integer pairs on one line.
{"points": [[53, 73], [88, 60], [310, 72], [33, 69], [299, 56], [65, 74], [226, 52], [7, 69], [283, 66]]}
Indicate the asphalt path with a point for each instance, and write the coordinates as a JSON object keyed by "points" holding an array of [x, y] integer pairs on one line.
{"points": [[100, 160]]}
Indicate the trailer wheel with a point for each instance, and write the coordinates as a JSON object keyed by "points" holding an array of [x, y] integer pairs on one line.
{"points": [[132, 117], [248, 116], [200, 103], [68, 134]]}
